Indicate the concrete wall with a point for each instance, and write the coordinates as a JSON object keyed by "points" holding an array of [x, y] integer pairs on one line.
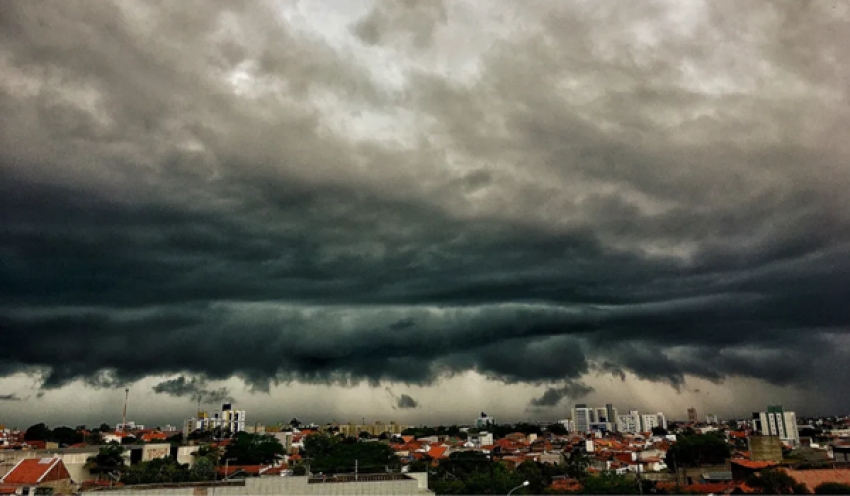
{"points": [[283, 486], [765, 448]]}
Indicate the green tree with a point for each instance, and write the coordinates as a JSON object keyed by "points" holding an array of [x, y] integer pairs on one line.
{"points": [[610, 483], [370, 457], [66, 436], [774, 481], [109, 459], [104, 427], [576, 463], [557, 429], [659, 431], [254, 449], [37, 432], [157, 471], [203, 469], [832, 488], [212, 453]]}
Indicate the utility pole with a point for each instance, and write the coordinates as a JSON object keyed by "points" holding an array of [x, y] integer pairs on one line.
{"points": [[355, 469]]}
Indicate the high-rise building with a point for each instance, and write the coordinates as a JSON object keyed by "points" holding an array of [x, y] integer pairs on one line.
{"points": [[692, 415], [653, 420], [629, 423], [583, 417], [711, 419], [612, 415], [777, 422]]}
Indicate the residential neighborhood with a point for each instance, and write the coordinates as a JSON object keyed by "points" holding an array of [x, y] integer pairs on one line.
{"points": [[587, 452]]}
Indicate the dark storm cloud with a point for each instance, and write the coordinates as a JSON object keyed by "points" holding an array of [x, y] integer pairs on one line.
{"points": [[406, 401], [572, 390], [10, 397], [195, 388], [591, 200], [402, 401]]}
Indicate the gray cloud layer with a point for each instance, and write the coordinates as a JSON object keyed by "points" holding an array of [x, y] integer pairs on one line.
{"points": [[194, 388], [204, 188]]}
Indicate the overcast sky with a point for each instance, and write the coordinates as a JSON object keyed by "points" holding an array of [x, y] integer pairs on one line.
{"points": [[416, 211]]}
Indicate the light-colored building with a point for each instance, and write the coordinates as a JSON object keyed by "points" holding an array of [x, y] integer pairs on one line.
{"points": [[629, 423], [227, 419], [777, 422], [583, 417], [129, 426], [653, 420], [375, 429], [483, 438]]}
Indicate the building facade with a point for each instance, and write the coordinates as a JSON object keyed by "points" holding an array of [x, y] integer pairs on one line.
{"points": [[583, 417], [777, 422]]}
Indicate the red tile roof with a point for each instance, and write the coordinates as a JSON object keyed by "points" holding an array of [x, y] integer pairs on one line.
{"points": [[437, 452], [154, 436], [708, 488], [815, 477], [8, 490], [36, 470], [754, 465]]}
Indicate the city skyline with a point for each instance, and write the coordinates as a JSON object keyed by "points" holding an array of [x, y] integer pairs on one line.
{"points": [[423, 208]]}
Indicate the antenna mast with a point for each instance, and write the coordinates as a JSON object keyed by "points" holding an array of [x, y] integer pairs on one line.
{"points": [[124, 416]]}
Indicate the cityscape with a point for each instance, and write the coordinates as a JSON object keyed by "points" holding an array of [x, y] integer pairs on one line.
{"points": [[286, 247], [594, 450]]}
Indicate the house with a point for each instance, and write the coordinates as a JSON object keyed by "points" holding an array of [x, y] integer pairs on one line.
{"points": [[742, 468], [31, 473]]}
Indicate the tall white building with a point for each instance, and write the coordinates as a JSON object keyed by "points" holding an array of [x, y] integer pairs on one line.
{"points": [[583, 417], [653, 420], [777, 422], [629, 423]]}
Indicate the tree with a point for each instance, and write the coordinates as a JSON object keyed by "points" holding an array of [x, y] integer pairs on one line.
{"points": [[832, 488], [576, 464], [659, 431], [208, 452], [104, 427], [109, 459], [774, 481], [66, 436], [37, 432], [330, 454], [158, 470], [203, 469], [557, 429], [254, 449], [610, 483]]}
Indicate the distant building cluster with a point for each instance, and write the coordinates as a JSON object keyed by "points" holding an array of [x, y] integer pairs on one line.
{"points": [[228, 419], [607, 419]]}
